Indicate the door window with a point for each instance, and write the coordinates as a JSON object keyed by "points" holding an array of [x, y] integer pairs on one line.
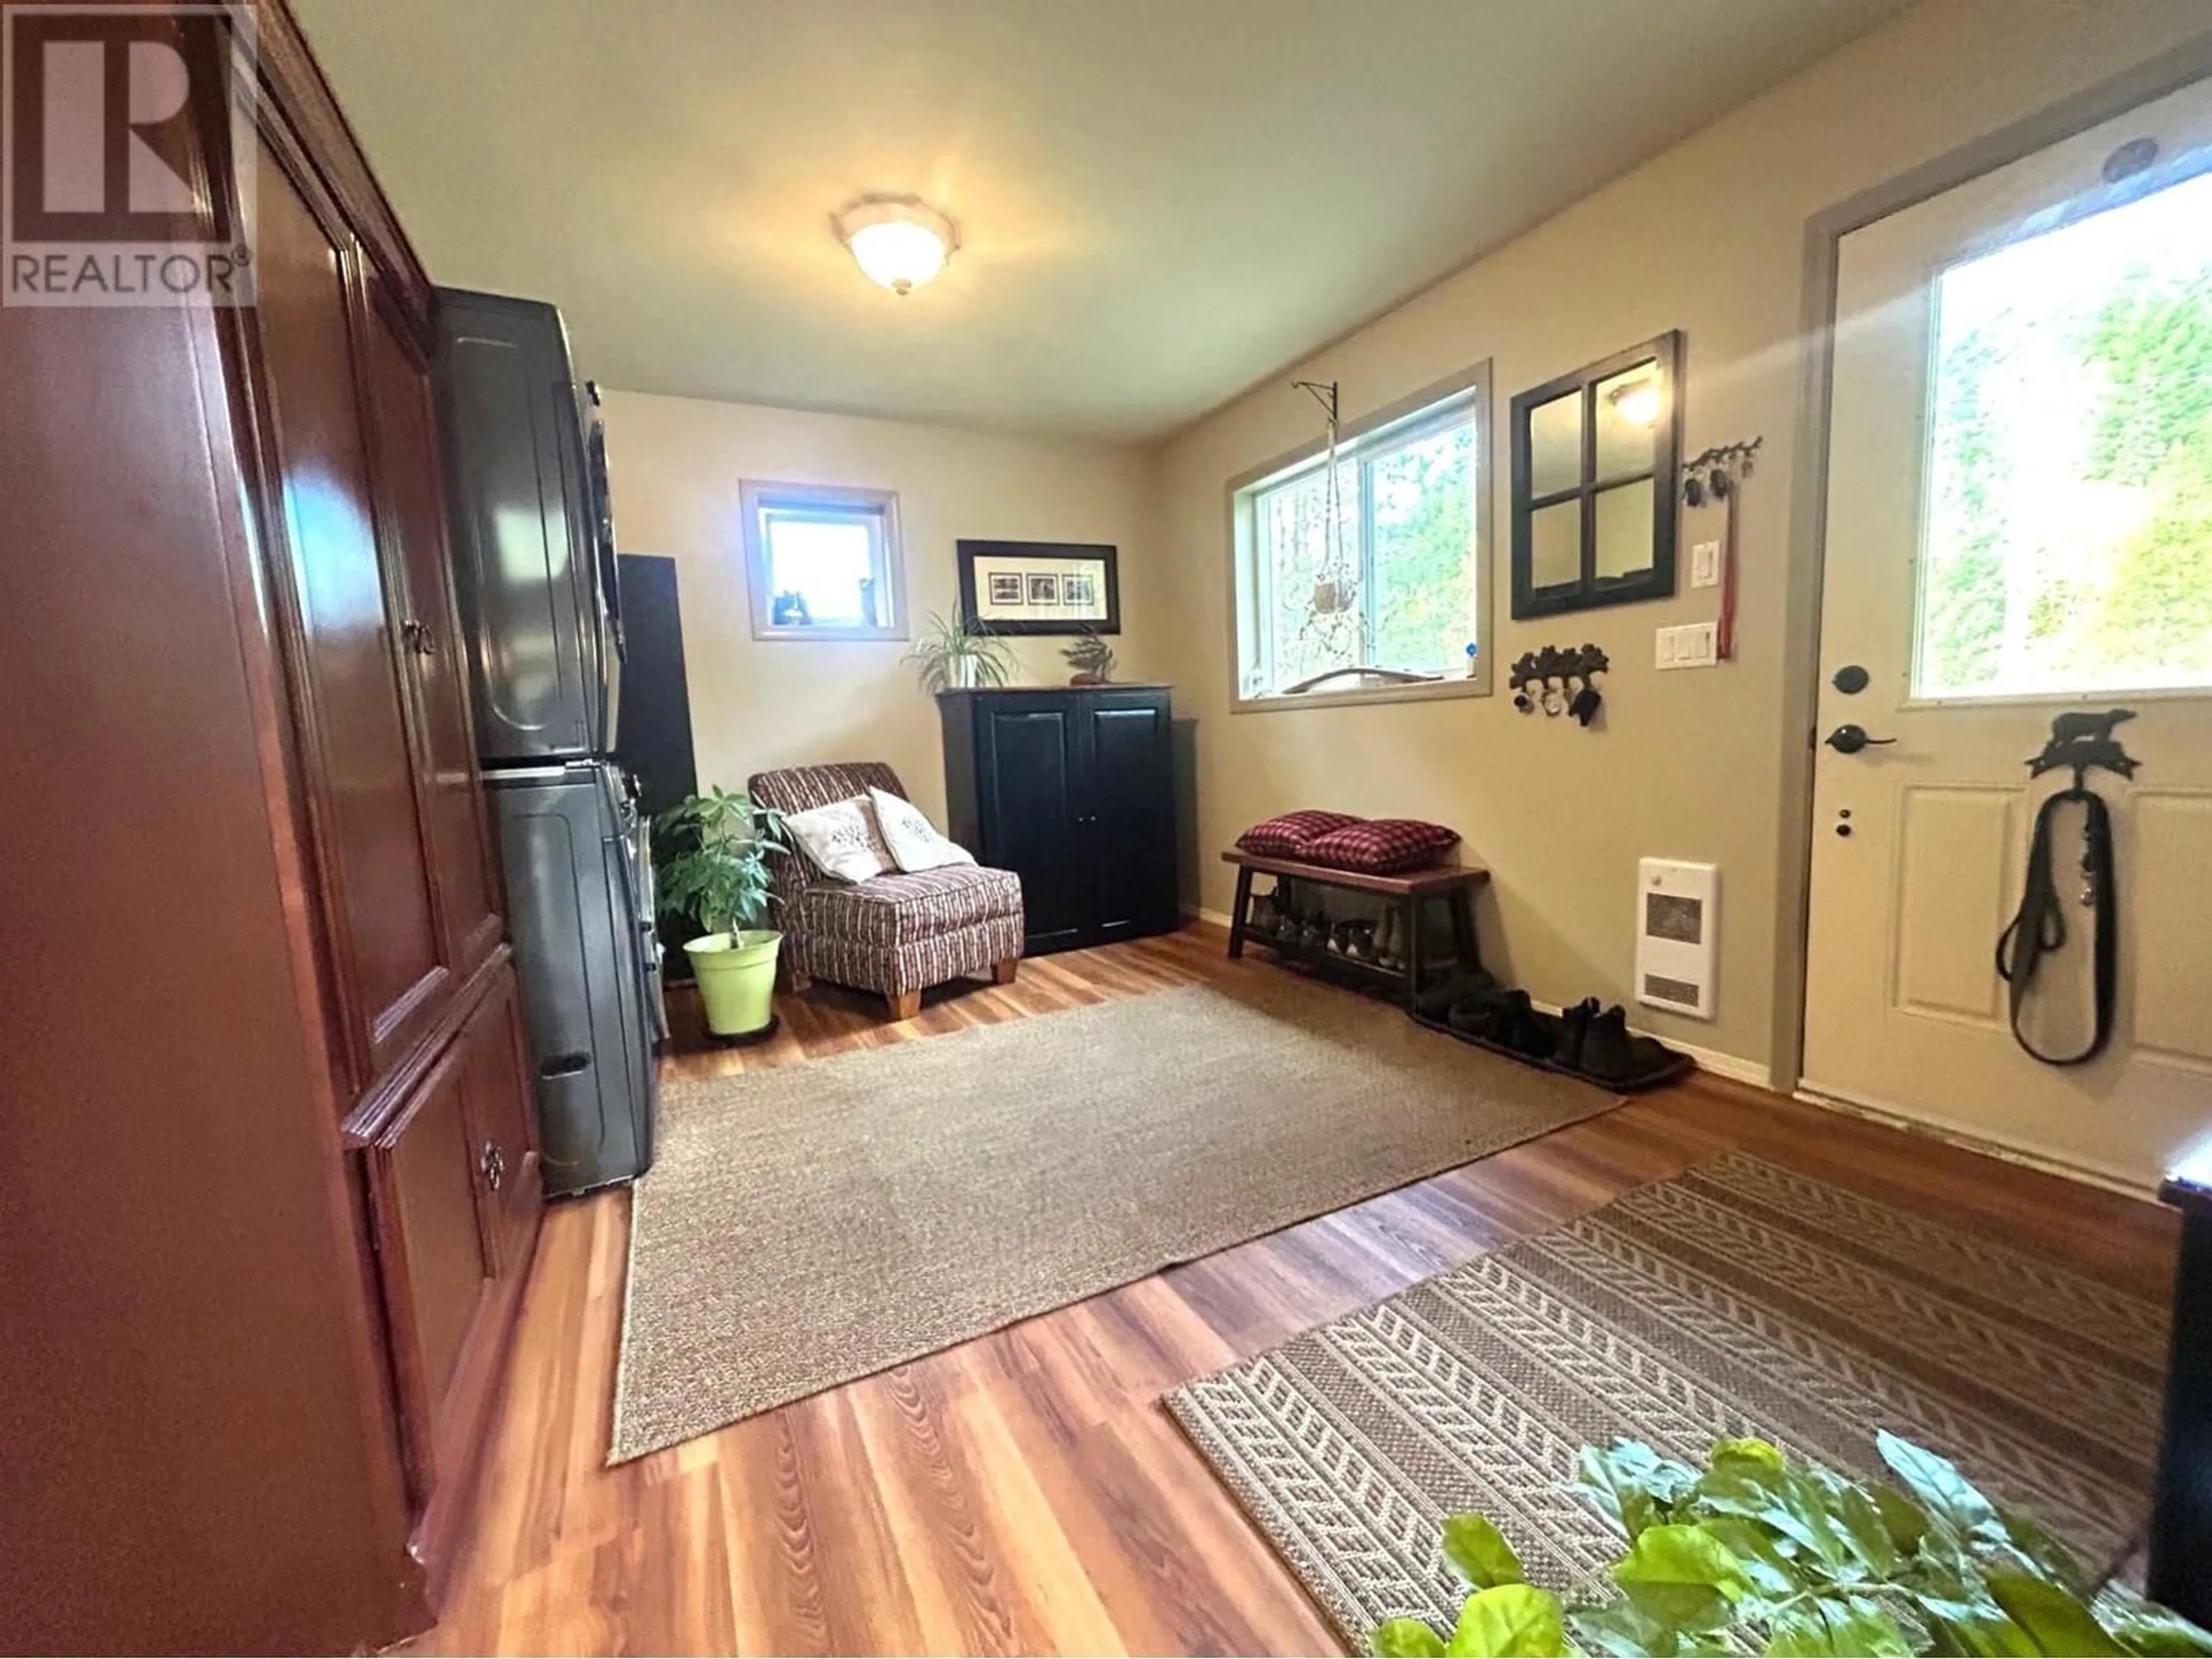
{"points": [[2068, 536]]}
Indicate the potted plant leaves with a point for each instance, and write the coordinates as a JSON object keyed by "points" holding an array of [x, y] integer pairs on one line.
{"points": [[718, 876], [952, 658], [1091, 658]]}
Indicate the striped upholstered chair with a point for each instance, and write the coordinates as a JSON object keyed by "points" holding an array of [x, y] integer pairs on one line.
{"points": [[896, 934]]}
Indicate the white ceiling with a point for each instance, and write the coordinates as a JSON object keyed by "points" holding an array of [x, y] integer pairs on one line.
{"points": [[1161, 202]]}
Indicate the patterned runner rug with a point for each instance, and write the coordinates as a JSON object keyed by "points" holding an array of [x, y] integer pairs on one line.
{"points": [[1741, 1299]]}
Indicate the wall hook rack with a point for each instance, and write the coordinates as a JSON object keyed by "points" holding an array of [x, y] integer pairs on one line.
{"points": [[1559, 682]]}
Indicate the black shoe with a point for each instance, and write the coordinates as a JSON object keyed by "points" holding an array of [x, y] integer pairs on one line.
{"points": [[1461, 985], [1477, 1015], [1574, 1026], [1517, 1026], [1610, 1053]]}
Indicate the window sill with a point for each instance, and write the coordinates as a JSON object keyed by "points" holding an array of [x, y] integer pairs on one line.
{"points": [[1430, 691], [895, 636]]}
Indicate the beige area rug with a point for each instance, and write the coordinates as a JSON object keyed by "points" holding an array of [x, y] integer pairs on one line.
{"points": [[1742, 1298], [808, 1225]]}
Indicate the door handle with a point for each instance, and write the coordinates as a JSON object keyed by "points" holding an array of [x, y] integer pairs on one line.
{"points": [[1849, 739]]}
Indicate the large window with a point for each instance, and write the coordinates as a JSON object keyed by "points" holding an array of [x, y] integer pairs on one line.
{"points": [[823, 562], [2069, 516], [1373, 588]]}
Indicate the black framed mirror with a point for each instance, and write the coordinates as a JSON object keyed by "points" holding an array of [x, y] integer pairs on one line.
{"points": [[1594, 458]]}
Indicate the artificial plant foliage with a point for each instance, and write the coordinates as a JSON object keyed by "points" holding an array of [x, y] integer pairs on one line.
{"points": [[717, 873], [954, 651], [1760, 1552]]}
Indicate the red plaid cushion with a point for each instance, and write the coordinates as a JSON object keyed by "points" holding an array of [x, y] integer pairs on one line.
{"points": [[1286, 837], [1382, 845]]}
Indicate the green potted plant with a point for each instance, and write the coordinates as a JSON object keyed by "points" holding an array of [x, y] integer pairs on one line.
{"points": [[952, 658], [718, 876], [1091, 658]]}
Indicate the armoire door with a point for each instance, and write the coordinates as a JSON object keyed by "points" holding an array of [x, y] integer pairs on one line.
{"points": [[362, 771], [1031, 759], [1129, 831], [430, 641]]}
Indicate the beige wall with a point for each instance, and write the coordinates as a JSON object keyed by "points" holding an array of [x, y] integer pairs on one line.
{"points": [[1708, 238], [675, 465]]}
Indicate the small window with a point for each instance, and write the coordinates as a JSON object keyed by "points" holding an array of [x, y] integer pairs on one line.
{"points": [[823, 562], [2068, 516], [1373, 590]]}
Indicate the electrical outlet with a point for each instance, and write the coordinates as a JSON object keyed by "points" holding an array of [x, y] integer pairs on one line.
{"points": [[1705, 565], [1693, 645]]}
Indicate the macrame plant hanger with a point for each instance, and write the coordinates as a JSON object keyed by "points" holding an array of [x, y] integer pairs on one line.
{"points": [[1332, 608]]}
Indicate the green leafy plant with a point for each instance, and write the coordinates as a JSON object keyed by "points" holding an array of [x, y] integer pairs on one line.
{"points": [[949, 655], [1760, 1552], [716, 871], [1090, 657]]}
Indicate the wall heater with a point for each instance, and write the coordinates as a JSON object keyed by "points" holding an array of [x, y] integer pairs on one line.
{"points": [[1677, 932]]}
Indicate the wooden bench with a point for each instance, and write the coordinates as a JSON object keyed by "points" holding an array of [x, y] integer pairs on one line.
{"points": [[1454, 883]]}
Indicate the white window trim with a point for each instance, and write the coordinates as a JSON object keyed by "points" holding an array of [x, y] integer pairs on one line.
{"points": [[754, 496], [1410, 416]]}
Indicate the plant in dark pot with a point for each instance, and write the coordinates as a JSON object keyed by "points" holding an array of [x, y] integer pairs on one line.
{"points": [[718, 875], [1091, 658]]}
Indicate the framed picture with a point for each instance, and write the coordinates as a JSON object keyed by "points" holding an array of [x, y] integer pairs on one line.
{"points": [[1040, 587]]}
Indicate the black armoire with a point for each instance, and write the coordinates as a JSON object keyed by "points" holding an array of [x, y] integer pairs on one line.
{"points": [[1072, 788]]}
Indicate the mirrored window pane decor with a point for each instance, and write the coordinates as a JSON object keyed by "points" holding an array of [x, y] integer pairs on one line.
{"points": [[1594, 454]]}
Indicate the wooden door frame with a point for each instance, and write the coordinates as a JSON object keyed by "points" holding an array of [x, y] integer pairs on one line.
{"points": [[2168, 72]]}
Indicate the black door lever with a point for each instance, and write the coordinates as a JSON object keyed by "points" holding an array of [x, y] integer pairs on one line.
{"points": [[1849, 739]]}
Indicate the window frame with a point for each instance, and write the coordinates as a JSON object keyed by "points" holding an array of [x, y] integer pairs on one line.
{"points": [[1436, 407], [839, 502]]}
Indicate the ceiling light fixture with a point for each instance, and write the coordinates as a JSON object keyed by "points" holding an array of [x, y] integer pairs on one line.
{"points": [[900, 241]]}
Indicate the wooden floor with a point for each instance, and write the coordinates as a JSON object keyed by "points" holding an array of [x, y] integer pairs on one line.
{"points": [[1024, 1492]]}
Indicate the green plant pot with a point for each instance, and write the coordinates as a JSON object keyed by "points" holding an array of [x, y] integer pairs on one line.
{"points": [[737, 979]]}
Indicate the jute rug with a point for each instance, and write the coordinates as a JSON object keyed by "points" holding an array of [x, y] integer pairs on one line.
{"points": [[811, 1224], [1742, 1298]]}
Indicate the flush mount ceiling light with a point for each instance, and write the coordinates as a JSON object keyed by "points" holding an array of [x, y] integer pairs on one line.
{"points": [[900, 241]]}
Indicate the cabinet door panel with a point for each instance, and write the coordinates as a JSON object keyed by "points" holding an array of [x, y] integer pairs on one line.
{"points": [[436, 1263], [1029, 814], [407, 480], [364, 779], [1128, 803], [502, 1121]]}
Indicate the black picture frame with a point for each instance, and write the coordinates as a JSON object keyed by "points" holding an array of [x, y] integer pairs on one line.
{"points": [[1056, 555], [1590, 590]]}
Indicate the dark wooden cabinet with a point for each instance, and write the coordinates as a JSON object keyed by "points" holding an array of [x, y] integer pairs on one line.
{"points": [[276, 1178], [1073, 790]]}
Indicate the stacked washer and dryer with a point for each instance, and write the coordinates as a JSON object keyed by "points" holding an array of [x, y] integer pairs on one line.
{"points": [[535, 568]]}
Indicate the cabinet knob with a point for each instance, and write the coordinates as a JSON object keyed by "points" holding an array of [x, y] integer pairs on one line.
{"points": [[417, 635], [492, 1163]]}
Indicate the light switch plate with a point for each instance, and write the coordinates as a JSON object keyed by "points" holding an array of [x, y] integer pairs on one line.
{"points": [[1693, 645], [1705, 565]]}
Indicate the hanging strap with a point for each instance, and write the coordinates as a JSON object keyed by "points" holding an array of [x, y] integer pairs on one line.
{"points": [[2038, 927]]}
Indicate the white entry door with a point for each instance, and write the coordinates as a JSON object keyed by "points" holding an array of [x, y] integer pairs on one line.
{"points": [[2019, 524]]}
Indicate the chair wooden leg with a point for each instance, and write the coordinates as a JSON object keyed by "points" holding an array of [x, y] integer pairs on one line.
{"points": [[1004, 969], [903, 1005]]}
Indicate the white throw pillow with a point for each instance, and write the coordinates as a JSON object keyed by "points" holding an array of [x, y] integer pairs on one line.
{"points": [[912, 838], [841, 839]]}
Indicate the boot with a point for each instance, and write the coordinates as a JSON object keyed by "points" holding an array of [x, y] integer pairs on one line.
{"points": [[1522, 1029], [1574, 1028], [1461, 985], [1386, 941], [1610, 1053]]}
